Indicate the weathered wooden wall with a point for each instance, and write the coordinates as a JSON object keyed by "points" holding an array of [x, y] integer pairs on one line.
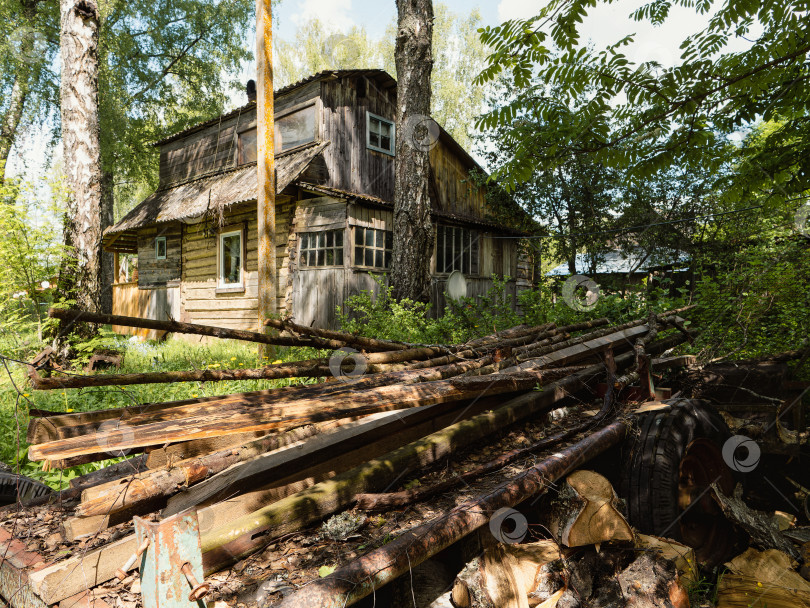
{"points": [[151, 271], [159, 303], [316, 292], [349, 164], [215, 146], [454, 191], [201, 301]]}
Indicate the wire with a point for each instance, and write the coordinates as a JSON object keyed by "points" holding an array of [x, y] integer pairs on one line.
{"points": [[631, 228]]}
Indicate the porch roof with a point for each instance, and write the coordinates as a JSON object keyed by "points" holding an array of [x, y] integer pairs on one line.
{"points": [[206, 194]]}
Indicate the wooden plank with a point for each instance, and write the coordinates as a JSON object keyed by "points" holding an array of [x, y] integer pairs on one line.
{"points": [[314, 450]]}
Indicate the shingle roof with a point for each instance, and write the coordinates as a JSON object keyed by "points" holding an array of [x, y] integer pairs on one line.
{"points": [[198, 196]]}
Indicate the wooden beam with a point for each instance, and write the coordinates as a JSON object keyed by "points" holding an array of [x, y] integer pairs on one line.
{"points": [[265, 141]]}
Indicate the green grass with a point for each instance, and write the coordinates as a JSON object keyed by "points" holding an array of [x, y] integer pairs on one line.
{"points": [[16, 396]]}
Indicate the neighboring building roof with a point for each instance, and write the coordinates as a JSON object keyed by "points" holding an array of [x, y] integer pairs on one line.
{"points": [[386, 80], [619, 262], [221, 189]]}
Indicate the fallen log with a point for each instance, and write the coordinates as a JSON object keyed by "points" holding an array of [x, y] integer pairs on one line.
{"points": [[229, 472], [311, 368], [361, 577], [216, 421], [761, 527], [83, 316]]}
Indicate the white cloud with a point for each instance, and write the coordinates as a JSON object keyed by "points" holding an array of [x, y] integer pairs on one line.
{"points": [[518, 9], [334, 14]]}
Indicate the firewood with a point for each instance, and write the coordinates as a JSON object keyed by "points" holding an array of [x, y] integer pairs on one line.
{"points": [[682, 556], [762, 579], [584, 512]]}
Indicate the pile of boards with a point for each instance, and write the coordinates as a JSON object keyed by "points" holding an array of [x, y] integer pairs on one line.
{"points": [[257, 466]]}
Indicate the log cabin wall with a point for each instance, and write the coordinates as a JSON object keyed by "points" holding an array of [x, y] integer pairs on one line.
{"points": [[215, 147], [152, 271], [202, 301]]}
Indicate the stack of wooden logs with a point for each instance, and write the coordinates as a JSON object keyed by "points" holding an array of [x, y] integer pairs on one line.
{"points": [[259, 465]]}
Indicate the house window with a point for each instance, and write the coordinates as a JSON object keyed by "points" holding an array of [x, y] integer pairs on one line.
{"points": [[293, 129], [373, 247], [231, 258], [379, 133], [296, 128], [160, 248], [321, 248], [456, 249]]}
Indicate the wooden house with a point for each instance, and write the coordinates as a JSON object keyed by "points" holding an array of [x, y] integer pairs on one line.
{"points": [[195, 237]]}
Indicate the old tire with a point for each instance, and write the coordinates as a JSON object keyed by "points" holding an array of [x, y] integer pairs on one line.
{"points": [[11, 484], [671, 463]]}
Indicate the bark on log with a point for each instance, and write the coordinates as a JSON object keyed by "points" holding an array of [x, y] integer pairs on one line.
{"points": [[359, 578], [761, 527], [70, 316], [137, 489]]}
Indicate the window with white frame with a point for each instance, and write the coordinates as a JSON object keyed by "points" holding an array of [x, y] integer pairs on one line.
{"points": [[372, 247], [457, 249], [379, 133], [323, 248], [160, 248], [231, 259]]}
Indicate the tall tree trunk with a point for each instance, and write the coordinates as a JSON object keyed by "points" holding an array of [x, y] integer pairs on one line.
{"points": [[20, 88], [415, 136], [11, 120], [80, 139]]}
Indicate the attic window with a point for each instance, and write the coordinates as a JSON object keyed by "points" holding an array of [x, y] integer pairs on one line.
{"points": [[293, 128], [247, 146], [457, 249], [160, 248], [380, 133]]}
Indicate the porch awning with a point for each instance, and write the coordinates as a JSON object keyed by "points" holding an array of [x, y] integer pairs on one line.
{"points": [[208, 194]]}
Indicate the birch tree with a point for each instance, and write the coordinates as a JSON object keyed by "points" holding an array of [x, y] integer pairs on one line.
{"points": [[82, 152], [413, 231]]}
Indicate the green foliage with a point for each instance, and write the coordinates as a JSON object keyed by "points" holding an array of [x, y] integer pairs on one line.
{"points": [[139, 357], [383, 317], [758, 302], [645, 116], [163, 67], [31, 254]]}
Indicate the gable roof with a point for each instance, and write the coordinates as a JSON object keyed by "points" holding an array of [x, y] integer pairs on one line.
{"points": [[383, 78], [205, 194]]}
